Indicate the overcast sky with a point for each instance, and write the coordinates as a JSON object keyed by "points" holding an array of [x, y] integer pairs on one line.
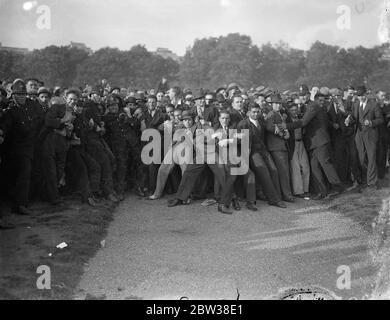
{"points": [[175, 24]]}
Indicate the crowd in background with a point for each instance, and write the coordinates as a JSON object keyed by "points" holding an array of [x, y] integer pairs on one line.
{"points": [[312, 143]]}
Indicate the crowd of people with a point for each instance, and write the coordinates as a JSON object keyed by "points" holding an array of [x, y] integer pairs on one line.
{"points": [[313, 143]]}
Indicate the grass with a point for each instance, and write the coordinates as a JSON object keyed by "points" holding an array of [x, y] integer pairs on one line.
{"points": [[29, 245]]}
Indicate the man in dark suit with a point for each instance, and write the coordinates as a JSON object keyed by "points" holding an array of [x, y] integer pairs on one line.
{"points": [[204, 109], [342, 139], [194, 169], [225, 141], [54, 134], [277, 143], [366, 117], [152, 119], [260, 161], [317, 141], [236, 110], [383, 136], [247, 181]]}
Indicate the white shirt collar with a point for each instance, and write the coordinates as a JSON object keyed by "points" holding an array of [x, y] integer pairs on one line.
{"points": [[255, 122]]}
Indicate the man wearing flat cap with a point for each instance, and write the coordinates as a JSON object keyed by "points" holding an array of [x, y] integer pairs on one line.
{"points": [[366, 117]]}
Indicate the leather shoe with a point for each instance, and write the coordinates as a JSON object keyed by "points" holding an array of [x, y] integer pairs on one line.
{"points": [[319, 196], [92, 202], [236, 205], [23, 211], [140, 192], [175, 203], [278, 204], [291, 200], [261, 197], [153, 197], [224, 209], [250, 206], [113, 198]]}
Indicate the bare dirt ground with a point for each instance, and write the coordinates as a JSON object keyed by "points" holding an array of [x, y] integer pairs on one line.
{"points": [[155, 252], [152, 252], [33, 243]]}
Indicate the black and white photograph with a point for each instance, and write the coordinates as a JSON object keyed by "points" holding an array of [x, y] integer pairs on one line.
{"points": [[222, 151]]}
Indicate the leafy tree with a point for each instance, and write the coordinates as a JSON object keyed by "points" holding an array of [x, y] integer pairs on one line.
{"points": [[54, 65]]}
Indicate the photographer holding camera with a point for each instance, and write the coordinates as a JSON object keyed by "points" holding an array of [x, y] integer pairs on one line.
{"points": [[117, 123]]}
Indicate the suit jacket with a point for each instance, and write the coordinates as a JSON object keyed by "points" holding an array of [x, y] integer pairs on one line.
{"points": [[210, 114], [274, 141], [53, 120], [338, 118], [373, 113], [225, 135], [316, 124], [20, 125], [235, 117], [199, 134], [155, 121], [246, 124]]}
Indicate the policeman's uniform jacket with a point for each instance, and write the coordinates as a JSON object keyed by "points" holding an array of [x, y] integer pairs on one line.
{"points": [[20, 125], [316, 123]]}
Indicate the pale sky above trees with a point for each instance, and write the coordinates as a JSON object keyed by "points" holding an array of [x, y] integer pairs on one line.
{"points": [[175, 24]]}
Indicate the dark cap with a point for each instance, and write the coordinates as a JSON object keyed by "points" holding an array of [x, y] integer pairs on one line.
{"points": [[260, 89], [303, 90], [19, 87], [74, 91], [187, 91], [187, 114], [152, 96], [220, 98], [42, 90], [95, 90], [276, 98], [198, 94], [232, 86], [220, 89], [361, 91], [131, 100]]}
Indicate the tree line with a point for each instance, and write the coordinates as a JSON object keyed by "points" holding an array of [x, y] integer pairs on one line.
{"points": [[209, 63]]}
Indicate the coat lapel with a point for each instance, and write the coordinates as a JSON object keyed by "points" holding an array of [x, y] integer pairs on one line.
{"points": [[368, 108]]}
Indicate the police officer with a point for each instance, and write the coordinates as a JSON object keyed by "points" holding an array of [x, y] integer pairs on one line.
{"points": [[3, 103], [19, 126]]}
